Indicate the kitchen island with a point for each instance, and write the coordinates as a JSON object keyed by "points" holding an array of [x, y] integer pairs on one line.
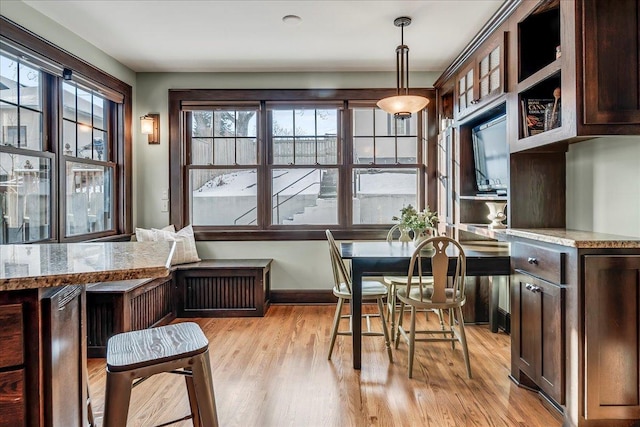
{"points": [[43, 378]]}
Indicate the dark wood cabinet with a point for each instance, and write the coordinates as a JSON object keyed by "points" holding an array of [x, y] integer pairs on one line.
{"points": [[537, 347], [612, 336], [575, 326], [64, 356], [580, 59], [42, 339], [482, 79]]}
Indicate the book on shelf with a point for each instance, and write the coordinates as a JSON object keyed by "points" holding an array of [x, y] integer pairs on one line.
{"points": [[533, 115]]}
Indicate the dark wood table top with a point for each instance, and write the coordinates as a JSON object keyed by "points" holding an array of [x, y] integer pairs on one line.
{"points": [[483, 257]]}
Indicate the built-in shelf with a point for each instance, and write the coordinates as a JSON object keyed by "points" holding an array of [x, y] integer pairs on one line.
{"points": [[483, 230], [540, 75], [485, 198]]}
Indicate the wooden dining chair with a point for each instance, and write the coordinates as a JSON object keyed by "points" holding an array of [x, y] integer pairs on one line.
{"points": [[394, 282], [371, 290], [444, 292]]}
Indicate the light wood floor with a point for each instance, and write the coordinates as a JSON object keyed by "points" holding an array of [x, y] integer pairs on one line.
{"points": [[273, 371]]}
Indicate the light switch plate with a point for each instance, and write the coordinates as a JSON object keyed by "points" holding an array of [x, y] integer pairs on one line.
{"points": [[165, 195], [165, 206]]}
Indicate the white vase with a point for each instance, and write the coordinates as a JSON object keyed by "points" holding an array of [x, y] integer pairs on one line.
{"points": [[423, 234], [404, 234], [496, 214]]}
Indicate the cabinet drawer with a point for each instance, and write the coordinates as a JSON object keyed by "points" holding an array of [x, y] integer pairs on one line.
{"points": [[11, 335], [12, 401], [538, 261]]}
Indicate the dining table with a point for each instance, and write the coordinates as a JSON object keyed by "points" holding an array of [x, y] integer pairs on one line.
{"points": [[377, 258]]}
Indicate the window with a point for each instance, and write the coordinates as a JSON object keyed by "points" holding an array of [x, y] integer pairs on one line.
{"points": [[258, 166], [379, 191], [89, 174], [62, 147], [223, 171]]}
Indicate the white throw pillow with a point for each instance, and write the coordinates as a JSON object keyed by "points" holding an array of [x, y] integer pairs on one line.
{"points": [[147, 235], [185, 250]]}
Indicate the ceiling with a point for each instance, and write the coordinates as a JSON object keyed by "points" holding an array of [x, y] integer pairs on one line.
{"points": [[223, 36]]}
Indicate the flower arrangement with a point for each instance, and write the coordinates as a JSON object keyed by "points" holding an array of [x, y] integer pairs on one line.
{"points": [[416, 220]]}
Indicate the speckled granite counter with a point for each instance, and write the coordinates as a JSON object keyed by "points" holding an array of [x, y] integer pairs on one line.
{"points": [[47, 265], [575, 238]]}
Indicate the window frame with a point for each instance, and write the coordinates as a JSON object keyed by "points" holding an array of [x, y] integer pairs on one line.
{"points": [[181, 100], [52, 60]]}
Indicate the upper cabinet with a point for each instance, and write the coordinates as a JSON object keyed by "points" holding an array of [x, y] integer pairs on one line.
{"points": [[482, 79], [576, 71]]}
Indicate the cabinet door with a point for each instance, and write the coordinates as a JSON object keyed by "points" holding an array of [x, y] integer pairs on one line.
{"points": [[465, 90], [445, 177], [483, 79], [540, 340], [612, 78], [612, 341], [65, 358]]}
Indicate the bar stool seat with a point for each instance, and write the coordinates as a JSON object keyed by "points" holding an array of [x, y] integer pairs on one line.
{"points": [[180, 348]]}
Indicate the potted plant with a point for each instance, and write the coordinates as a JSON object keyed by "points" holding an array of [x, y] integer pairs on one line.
{"points": [[422, 223]]}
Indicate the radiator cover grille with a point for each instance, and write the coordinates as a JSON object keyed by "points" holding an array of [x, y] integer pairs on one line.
{"points": [[211, 293]]}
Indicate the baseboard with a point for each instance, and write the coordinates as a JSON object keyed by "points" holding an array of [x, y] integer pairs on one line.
{"points": [[504, 320], [320, 296]]}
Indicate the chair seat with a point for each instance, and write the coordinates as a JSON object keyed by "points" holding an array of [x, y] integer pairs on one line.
{"points": [[138, 349], [370, 289], [427, 292]]}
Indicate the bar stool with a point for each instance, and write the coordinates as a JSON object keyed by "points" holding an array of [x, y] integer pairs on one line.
{"points": [[181, 348]]}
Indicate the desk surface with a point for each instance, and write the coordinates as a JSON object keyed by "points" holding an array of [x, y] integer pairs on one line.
{"points": [[55, 264]]}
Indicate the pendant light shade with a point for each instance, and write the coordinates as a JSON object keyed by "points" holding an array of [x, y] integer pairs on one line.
{"points": [[402, 105]]}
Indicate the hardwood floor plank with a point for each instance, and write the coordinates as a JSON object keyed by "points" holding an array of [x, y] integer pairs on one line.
{"points": [[274, 372]]}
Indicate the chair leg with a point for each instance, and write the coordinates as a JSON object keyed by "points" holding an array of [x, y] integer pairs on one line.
{"points": [[391, 301], [193, 401], [451, 325], [441, 318], [203, 385], [117, 395], [336, 323], [399, 325], [412, 340], [90, 419], [385, 330], [463, 341]]}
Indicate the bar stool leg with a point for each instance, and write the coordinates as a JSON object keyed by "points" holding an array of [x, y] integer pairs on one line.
{"points": [[203, 384], [117, 395], [193, 401]]}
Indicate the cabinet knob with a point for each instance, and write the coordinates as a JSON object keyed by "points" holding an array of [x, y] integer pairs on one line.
{"points": [[535, 288], [532, 260], [528, 286], [475, 101]]}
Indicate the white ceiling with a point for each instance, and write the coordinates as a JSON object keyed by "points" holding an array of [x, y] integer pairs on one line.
{"points": [[241, 35]]}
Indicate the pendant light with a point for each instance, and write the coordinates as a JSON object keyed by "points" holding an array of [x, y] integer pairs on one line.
{"points": [[402, 105]]}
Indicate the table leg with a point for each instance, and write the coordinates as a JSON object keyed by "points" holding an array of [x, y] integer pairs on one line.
{"points": [[356, 312], [493, 304]]}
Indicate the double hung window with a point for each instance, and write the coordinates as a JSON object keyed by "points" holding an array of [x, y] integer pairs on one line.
{"points": [[287, 169], [62, 148]]}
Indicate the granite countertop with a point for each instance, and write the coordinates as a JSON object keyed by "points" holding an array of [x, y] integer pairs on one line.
{"points": [[56, 264], [575, 238]]}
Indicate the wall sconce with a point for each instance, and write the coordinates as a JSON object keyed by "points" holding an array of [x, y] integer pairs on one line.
{"points": [[150, 125]]}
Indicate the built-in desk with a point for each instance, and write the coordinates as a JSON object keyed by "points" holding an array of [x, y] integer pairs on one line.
{"points": [[42, 323]]}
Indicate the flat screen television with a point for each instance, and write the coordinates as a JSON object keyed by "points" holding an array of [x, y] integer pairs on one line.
{"points": [[491, 155]]}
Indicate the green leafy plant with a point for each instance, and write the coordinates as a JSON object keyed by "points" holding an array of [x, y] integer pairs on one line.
{"points": [[417, 220]]}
